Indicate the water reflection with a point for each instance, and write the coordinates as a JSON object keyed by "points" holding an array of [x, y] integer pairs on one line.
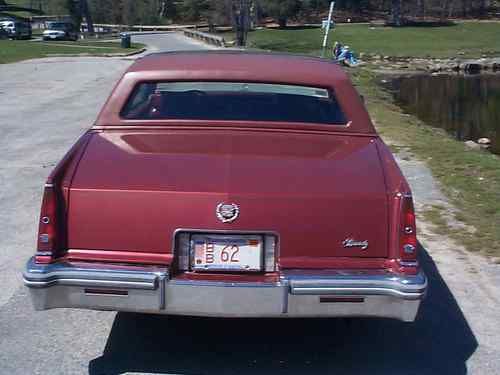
{"points": [[466, 106]]}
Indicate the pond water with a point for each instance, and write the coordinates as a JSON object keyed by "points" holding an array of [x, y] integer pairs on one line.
{"points": [[467, 106]]}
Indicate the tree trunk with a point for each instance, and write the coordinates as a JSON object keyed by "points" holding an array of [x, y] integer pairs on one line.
{"points": [[282, 22], [420, 8], [482, 7], [75, 12], [445, 9], [241, 16], [396, 12], [88, 17], [162, 12]]}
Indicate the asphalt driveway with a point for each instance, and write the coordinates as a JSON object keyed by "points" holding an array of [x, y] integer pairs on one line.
{"points": [[169, 41], [44, 106]]}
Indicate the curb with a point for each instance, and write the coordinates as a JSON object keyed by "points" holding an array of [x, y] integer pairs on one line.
{"points": [[137, 52], [205, 37]]}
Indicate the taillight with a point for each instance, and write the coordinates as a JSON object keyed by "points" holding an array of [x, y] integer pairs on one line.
{"points": [[408, 233], [48, 227]]}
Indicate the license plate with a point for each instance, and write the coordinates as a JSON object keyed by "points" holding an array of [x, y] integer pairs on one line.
{"points": [[226, 253]]}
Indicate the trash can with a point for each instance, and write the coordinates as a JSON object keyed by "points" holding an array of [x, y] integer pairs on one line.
{"points": [[125, 40]]}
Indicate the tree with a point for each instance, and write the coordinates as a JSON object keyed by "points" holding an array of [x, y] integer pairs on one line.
{"points": [[193, 9], [85, 11], [78, 9], [102, 10], [129, 12], [445, 9], [221, 12], [241, 15], [420, 8], [5, 7], [396, 12], [75, 11], [483, 6], [168, 9], [281, 10]]}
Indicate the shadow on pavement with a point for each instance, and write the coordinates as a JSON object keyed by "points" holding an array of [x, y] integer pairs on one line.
{"points": [[439, 342]]}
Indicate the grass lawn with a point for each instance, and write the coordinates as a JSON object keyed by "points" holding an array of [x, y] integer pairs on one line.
{"points": [[474, 39], [17, 50], [470, 179]]}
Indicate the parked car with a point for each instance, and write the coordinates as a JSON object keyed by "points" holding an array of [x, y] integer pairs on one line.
{"points": [[60, 31], [3, 33], [16, 29], [230, 184]]}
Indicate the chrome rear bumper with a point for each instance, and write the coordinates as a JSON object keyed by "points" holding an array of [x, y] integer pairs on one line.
{"points": [[310, 293]]}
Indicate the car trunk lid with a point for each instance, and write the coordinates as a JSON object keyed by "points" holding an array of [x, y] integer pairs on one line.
{"points": [[322, 193]]}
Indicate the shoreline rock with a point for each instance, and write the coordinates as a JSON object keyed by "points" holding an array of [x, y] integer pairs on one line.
{"points": [[471, 145], [457, 65]]}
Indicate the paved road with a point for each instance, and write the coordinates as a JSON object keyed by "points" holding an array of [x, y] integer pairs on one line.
{"points": [[44, 106], [171, 41]]}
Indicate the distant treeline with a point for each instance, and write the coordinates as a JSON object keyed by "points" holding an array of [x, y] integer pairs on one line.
{"points": [[222, 12]]}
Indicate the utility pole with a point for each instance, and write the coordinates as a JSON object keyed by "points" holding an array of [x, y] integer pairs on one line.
{"points": [[327, 29]]}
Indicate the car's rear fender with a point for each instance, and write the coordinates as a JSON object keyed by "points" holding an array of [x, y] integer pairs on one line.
{"points": [[56, 193]]}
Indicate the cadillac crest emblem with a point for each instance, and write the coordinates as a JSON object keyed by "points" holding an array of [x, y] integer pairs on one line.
{"points": [[227, 212]]}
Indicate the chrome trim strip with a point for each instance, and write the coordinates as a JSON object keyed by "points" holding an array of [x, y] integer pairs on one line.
{"points": [[92, 274], [162, 282], [357, 292], [91, 283], [285, 298], [221, 231], [181, 248], [270, 256], [224, 284], [361, 275], [408, 264], [408, 287]]}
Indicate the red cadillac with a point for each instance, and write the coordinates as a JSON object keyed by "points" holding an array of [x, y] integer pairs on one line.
{"points": [[230, 184]]}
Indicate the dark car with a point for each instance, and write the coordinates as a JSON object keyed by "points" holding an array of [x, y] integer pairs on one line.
{"points": [[3, 33], [60, 31]]}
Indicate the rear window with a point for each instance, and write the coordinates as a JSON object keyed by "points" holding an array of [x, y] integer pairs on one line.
{"points": [[233, 101]]}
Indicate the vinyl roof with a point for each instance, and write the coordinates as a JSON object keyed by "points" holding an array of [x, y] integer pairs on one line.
{"points": [[239, 65]]}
